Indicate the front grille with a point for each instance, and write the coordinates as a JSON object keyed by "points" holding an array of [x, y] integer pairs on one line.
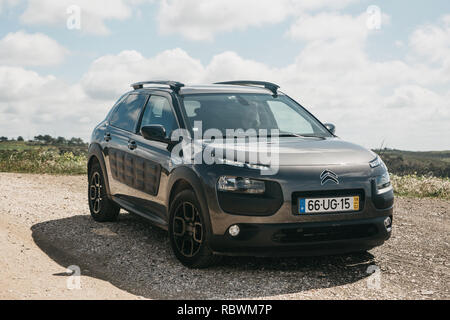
{"points": [[329, 233]]}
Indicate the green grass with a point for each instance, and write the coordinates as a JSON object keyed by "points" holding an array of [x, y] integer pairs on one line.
{"points": [[42, 161], [15, 145], [25, 157]]}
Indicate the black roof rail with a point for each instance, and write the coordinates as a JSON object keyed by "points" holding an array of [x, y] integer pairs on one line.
{"points": [[268, 85], [174, 85]]}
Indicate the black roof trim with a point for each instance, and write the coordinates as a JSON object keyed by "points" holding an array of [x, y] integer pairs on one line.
{"points": [[268, 85], [174, 85]]}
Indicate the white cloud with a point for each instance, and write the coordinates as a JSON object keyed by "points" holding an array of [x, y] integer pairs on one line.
{"points": [[202, 19], [18, 83], [25, 49], [432, 42], [94, 14], [110, 75], [31, 104], [229, 65], [329, 26]]}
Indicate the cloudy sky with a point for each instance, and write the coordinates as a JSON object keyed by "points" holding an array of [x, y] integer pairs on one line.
{"points": [[379, 70]]}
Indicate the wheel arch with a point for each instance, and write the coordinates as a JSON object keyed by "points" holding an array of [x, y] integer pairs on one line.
{"points": [[95, 154], [185, 178]]}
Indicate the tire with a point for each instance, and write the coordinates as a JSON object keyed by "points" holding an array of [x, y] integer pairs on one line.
{"points": [[101, 207], [188, 232]]}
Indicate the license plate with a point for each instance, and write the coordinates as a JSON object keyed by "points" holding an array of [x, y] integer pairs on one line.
{"points": [[323, 205]]}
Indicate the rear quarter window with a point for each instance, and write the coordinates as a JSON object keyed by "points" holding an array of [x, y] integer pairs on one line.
{"points": [[127, 112]]}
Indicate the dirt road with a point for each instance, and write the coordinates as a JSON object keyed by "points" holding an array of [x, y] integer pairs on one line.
{"points": [[45, 227]]}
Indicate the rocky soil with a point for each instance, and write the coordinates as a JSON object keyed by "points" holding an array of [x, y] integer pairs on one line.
{"points": [[45, 227]]}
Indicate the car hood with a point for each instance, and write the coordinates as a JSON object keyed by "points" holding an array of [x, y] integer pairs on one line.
{"points": [[299, 151]]}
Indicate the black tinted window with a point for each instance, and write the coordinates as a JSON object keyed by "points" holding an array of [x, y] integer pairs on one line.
{"points": [[159, 111], [128, 111]]}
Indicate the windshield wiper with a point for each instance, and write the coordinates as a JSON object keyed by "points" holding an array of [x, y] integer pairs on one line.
{"points": [[282, 135], [312, 136], [299, 135]]}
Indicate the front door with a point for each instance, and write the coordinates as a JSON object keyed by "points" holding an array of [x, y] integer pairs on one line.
{"points": [[153, 158]]}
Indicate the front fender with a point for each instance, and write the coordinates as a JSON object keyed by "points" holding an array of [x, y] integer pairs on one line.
{"points": [[191, 177]]}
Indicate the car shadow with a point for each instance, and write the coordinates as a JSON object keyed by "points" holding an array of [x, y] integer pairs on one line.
{"points": [[136, 257]]}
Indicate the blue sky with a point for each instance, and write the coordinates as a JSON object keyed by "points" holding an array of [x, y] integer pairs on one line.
{"points": [[389, 84]]}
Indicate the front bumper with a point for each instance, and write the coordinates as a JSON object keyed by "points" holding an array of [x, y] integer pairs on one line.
{"points": [[303, 239]]}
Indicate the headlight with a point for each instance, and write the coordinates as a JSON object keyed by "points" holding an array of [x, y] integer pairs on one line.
{"points": [[383, 181], [375, 163], [240, 185]]}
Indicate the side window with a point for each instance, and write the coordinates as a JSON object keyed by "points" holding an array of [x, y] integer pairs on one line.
{"points": [[159, 111], [127, 113], [288, 120], [112, 110]]}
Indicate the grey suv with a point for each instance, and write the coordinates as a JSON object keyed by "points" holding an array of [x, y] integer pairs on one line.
{"points": [[326, 195]]}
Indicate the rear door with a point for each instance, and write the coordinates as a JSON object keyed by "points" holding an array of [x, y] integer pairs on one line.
{"points": [[119, 134]]}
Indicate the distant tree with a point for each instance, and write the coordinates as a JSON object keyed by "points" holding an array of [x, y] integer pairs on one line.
{"points": [[39, 138], [61, 140], [2, 139], [76, 141], [44, 139], [20, 138], [48, 139]]}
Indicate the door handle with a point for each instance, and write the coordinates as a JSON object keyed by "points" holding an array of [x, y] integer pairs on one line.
{"points": [[132, 145], [107, 136]]}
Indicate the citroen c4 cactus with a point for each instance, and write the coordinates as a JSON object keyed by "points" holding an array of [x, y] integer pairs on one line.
{"points": [[316, 195]]}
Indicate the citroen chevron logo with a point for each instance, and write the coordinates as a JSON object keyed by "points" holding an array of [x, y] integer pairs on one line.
{"points": [[328, 175]]}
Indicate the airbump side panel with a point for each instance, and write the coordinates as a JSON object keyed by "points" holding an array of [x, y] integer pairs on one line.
{"points": [[135, 172]]}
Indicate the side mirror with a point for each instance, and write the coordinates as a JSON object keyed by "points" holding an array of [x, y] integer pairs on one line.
{"points": [[331, 127], [155, 132]]}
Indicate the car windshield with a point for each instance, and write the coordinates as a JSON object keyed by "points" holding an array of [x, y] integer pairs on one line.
{"points": [[251, 111]]}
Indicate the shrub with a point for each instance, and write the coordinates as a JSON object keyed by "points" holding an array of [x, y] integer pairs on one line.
{"points": [[42, 161], [421, 186]]}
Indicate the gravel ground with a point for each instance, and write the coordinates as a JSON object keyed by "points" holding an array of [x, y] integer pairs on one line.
{"points": [[45, 227]]}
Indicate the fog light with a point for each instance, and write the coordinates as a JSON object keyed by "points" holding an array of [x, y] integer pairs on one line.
{"points": [[234, 230], [388, 224]]}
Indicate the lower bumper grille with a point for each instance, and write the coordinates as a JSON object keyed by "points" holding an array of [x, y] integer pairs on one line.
{"points": [[330, 233]]}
